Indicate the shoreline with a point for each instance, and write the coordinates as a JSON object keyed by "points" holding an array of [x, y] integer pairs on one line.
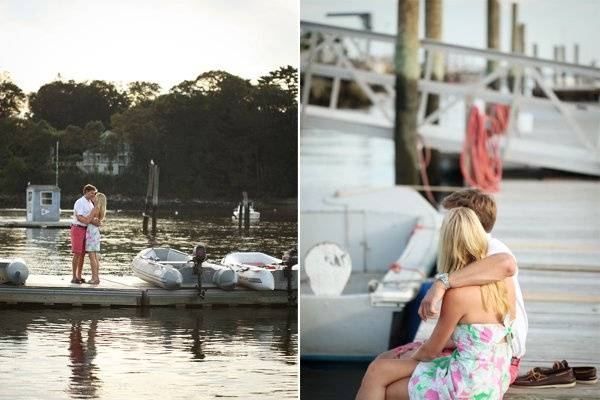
{"points": [[285, 206]]}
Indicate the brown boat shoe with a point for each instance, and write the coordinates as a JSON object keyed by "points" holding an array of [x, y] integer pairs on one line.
{"points": [[548, 378], [585, 375]]}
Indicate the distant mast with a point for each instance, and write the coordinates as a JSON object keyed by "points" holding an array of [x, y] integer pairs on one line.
{"points": [[56, 160]]}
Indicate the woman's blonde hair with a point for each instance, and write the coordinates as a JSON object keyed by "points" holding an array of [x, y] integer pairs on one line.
{"points": [[101, 204], [462, 241]]}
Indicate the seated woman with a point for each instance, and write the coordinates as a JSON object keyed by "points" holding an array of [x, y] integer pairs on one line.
{"points": [[475, 318]]}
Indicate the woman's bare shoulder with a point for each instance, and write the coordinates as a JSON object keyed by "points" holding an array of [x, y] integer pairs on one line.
{"points": [[462, 295]]}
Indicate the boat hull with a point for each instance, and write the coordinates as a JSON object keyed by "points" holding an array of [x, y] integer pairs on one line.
{"points": [[365, 330], [164, 276], [250, 261], [254, 277], [173, 269], [13, 271]]}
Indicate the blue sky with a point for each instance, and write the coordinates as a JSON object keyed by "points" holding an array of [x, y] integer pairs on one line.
{"points": [[548, 22], [164, 41]]}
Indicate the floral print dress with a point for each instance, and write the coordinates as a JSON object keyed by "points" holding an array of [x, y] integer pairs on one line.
{"points": [[477, 369], [92, 238]]}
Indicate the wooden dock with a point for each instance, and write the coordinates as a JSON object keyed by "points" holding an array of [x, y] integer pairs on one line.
{"points": [[553, 228], [22, 223], [129, 291]]}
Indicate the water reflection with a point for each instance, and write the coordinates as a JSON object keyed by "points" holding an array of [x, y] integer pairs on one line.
{"points": [[47, 251], [84, 381], [149, 353]]}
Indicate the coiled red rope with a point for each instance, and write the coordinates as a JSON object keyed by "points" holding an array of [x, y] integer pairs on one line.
{"points": [[480, 159]]}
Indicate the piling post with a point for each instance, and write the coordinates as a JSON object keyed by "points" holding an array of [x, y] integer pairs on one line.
{"points": [[154, 198], [433, 30], [407, 76], [247, 217], [493, 36], [563, 58], [514, 41], [246, 205], [575, 60], [146, 213], [240, 215], [522, 51]]}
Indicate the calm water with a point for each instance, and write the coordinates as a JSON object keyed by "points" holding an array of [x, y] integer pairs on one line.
{"points": [[248, 353], [48, 251], [160, 353]]}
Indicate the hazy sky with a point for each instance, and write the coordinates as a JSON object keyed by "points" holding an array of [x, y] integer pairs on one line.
{"points": [[548, 22], [164, 41]]}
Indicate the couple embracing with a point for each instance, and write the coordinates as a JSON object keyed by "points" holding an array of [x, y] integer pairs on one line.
{"points": [[88, 214], [475, 349]]}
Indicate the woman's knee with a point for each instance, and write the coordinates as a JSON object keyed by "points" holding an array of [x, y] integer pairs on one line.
{"points": [[375, 370]]}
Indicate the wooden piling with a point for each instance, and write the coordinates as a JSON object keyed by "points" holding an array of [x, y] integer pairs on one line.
{"points": [[240, 215], [433, 30], [154, 198], [407, 76], [247, 217], [575, 60], [514, 41], [146, 213], [493, 36]]}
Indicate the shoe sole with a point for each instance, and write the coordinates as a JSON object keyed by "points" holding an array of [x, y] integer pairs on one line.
{"points": [[589, 382], [560, 385]]}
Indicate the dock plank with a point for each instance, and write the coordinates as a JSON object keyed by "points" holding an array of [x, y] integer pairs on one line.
{"points": [[553, 227], [129, 291]]}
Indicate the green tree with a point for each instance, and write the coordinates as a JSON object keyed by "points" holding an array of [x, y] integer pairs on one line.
{"points": [[12, 99], [141, 92], [70, 103]]}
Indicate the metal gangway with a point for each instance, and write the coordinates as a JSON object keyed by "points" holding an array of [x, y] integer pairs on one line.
{"points": [[543, 131]]}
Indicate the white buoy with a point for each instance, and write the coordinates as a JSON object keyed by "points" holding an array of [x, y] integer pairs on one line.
{"points": [[13, 271], [328, 268]]}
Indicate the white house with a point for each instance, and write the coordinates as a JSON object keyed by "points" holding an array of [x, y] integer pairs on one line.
{"points": [[102, 163]]}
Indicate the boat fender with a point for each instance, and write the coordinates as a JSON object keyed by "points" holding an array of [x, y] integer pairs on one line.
{"points": [[17, 272], [225, 279]]}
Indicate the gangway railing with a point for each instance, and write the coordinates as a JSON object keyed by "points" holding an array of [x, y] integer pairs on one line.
{"points": [[366, 59]]}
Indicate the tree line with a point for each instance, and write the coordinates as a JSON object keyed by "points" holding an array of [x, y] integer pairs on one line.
{"points": [[212, 137]]}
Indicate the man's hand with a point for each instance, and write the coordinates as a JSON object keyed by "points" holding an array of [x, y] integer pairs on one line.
{"points": [[434, 295]]}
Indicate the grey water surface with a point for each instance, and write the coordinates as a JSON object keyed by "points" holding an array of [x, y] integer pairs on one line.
{"points": [[157, 353]]}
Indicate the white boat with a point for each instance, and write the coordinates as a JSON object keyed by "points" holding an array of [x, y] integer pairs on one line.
{"points": [[13, 271], [173, 269], [254, 215], [267, 262], [352, 303]]}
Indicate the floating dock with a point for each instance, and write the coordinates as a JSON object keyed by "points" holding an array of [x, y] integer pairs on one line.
{"points": [[21, 223], [129, 291], [553, 228]]}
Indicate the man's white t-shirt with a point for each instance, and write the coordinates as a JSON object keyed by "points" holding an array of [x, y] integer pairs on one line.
{"points": [[520, 325], [82, 207]]}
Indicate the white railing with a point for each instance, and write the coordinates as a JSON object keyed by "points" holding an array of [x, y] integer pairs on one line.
{"points": [[342, 54]]}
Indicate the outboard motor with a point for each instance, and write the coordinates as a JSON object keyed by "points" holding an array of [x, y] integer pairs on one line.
{"points": [[199, 256], [289, 259]]}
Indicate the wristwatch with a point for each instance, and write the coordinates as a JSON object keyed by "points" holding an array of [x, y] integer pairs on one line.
{"points": [[443, 277]]}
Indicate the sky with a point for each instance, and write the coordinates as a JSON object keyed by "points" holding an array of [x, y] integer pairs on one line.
{"points": [[548, 22], [163, 41]]}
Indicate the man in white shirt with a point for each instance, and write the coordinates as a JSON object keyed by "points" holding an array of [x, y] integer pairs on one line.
{"points": [[499, 264], [83, 207]]}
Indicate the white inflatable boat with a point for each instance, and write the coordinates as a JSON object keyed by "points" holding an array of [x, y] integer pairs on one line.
{"points": [[173, 269], [255, 261], [13, 271]]}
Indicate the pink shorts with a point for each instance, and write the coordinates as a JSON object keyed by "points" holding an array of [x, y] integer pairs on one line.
{"points": [[78, 238], [514, 364]]}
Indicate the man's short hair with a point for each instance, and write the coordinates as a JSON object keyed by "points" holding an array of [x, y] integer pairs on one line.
{"points": [[478, 201], [89, 188]]}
